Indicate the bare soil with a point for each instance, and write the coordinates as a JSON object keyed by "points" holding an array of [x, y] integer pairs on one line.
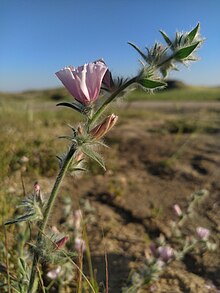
{"points": [[157, 157]]}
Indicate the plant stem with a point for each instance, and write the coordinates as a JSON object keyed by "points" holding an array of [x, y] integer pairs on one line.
{"points": [[88, 255], [112, 97], [165, 61], [7, 261], [48, 210]]}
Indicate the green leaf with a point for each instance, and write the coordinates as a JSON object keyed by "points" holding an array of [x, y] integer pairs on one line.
{"points": [[139, 51], [22, 265], [27, 217], [185, 52], [93, 155], [78, 169], [193, 33], [65, 137], [166, 38], [152, 84]]}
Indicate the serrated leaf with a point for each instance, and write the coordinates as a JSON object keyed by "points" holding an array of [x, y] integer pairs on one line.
{"points": [[138, 50], [185, 52], [193, 33], [151, 84], [72, 106], [166, 38], [93, 155]]}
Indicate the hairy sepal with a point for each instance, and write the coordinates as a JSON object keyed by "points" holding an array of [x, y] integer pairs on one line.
{"points": [[152, 84], [92, 154]]}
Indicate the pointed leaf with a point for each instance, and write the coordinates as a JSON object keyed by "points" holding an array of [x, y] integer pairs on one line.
{"points": [[180, 39], [93, 155], [185, 52], [75, 169], [65, 137], [22, 265], [139, 51], [99, 142], [164, 72], [193, 33], [71, 105], [27, 217], [152, 84], [166, 38]]}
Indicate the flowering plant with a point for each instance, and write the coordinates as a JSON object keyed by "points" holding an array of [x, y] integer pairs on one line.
{"points": [[85, 83], [174, 247]]}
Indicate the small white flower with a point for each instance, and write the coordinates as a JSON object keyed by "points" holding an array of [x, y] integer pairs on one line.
{"points": [[53, 274]]}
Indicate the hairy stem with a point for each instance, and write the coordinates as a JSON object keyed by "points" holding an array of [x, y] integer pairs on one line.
{"points": [[165, 61], [112, 97], [47, 212]]}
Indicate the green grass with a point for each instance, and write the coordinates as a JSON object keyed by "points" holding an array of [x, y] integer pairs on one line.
{"points": [[30, 124], [186, 94]]}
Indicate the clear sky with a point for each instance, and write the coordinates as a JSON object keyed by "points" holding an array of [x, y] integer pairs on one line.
{"points": [[39, 37]]}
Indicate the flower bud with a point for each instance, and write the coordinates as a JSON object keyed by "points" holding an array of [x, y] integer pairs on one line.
{"points": [[36, 187], [78, 156], [80, 245], [80, 130], [202, 233], [60, 243], [38, 192], [153, 249], [177, 210], [100, 130], [107, 80], [55, 230], [77, 219]]}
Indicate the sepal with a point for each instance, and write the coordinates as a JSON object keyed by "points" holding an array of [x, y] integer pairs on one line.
{"points": [[89, 152], [152, 84]]}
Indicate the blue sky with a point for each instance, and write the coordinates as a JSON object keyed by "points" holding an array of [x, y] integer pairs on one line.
{"points": [[39, 37]]}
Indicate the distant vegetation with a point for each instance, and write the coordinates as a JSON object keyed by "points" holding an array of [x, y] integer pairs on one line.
{"points": [[176, 91]]}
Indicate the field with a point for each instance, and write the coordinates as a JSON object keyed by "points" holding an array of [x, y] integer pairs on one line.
{"points": [[164, 148]]}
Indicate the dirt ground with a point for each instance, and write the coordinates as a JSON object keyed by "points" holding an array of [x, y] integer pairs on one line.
{"points": [[157, 157], [159, 154]]}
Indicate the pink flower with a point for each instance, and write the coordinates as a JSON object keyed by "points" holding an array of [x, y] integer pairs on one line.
{"points": [[80, 245], [165, 253], [53, 274], [83, 82], [177, 210], [202, 233]]}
